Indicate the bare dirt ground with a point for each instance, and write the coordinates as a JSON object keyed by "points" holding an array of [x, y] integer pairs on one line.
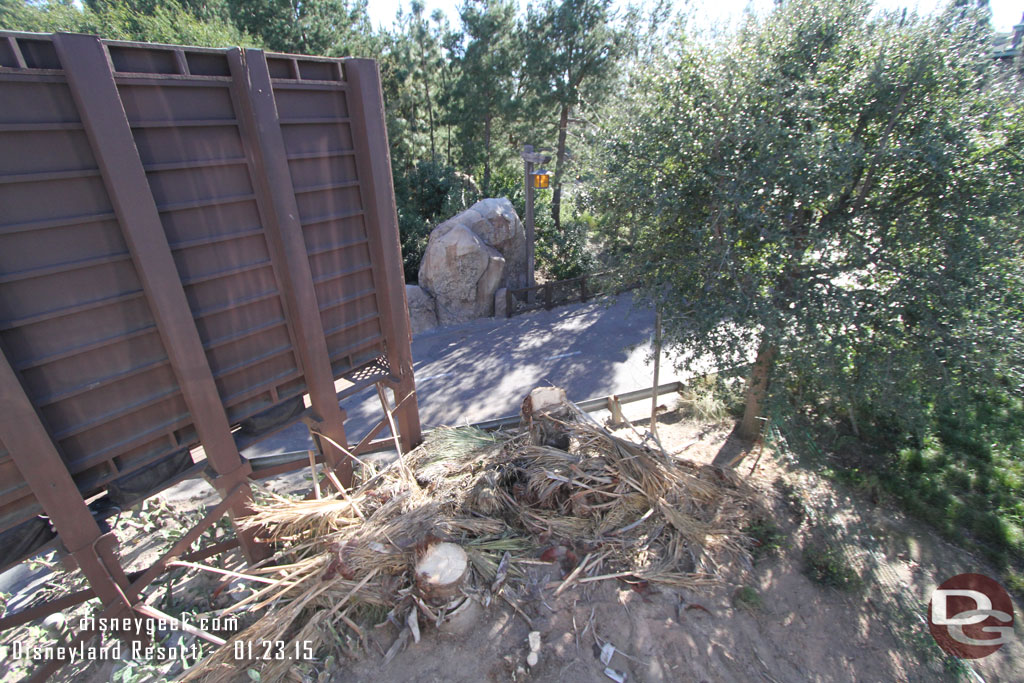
{"points": [[767, 621]]}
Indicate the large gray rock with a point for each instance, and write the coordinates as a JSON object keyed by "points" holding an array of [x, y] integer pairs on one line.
{"points": [[422, 312], [496, 223], [461, 272], [470, 256]]}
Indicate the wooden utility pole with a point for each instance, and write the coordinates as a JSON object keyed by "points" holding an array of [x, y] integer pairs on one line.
{"points": [[529, 159]]}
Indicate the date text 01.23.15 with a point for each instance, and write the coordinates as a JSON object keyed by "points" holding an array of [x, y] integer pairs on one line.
{"points": [[273, 650]]}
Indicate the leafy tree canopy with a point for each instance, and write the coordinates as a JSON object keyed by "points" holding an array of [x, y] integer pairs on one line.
{"points": [[158, 21], [838, 190], [311, 27]]}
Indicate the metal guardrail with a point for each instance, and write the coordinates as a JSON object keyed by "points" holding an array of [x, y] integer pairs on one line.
{"points": [[270, 465]]}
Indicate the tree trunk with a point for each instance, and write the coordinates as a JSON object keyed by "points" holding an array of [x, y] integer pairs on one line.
{"points": [[487, 157], [556, 196], [440, 572], [430, 115], [757, 388]]}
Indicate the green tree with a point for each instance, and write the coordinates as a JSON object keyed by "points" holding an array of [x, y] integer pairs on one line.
{"points": [[485, 93], [572, 49], [412, 67], [448, 77], [163, 21], [837, 191], [310, 27], [426, 58]]}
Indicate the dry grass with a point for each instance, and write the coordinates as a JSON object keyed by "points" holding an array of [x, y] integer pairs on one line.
{"points": [[343, 562]]}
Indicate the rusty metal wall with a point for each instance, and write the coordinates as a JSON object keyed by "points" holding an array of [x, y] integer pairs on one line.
{"points": [[272, 206]]}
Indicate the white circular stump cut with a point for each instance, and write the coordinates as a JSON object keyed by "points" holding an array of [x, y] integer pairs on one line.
{"points": [[441, 571]]}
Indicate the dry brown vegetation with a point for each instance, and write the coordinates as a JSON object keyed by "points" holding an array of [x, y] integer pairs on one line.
{"points": [[604, 508]]}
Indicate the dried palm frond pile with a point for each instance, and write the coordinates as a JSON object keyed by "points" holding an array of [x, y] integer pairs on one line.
{"points": [[604, 508]]}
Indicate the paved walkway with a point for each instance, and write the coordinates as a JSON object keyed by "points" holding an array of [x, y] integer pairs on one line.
{"points": [[482, 369]]}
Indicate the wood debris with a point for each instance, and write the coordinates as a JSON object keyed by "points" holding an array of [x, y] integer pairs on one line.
{"points": [[461, 516]]}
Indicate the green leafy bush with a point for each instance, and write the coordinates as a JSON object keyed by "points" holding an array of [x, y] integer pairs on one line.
{"points": [[427, 194], [564, 254], [829, 567]]}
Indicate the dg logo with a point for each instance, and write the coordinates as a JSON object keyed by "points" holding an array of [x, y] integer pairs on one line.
{"points": [[970, 616]]}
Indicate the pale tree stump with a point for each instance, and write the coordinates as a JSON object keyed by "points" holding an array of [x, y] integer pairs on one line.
{"points": [[543, 412], [441, 572]]}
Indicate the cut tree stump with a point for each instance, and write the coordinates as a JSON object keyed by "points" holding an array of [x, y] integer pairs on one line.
{"points": [[543, 413], [440, 572]]}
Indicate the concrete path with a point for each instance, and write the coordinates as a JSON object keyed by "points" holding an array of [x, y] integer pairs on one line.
{"points": [[473, 372], [484, 368]]}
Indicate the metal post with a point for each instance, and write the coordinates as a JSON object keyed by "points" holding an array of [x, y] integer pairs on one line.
{"points": [[528, 222], [657, 367], [375, 182], [39, 462], [529, 159]]}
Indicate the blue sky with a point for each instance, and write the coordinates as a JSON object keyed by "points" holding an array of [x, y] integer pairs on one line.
{"points": [[1005, 13]]}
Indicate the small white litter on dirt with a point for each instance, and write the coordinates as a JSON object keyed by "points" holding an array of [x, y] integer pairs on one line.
{"points": [[615, 675]]}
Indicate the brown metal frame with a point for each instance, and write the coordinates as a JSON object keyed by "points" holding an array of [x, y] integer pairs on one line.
{"points": [[92, 85], [253, 89], [343, 265]]}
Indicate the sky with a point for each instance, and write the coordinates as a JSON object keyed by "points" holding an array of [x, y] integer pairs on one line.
{"points": [[1005, 13]]}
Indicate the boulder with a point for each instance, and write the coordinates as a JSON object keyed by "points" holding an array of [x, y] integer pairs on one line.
{"points": [[496, 223], [461, 272], [470, 256], [422, 312]]}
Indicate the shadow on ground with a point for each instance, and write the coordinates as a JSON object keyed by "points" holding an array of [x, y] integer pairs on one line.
{"points": [[482, 369]]}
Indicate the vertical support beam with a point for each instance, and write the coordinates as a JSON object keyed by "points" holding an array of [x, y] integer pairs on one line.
{"points": [[39, 462], [92, 85], [528, 221], [657, 367], [366, 107], [253, 92]]}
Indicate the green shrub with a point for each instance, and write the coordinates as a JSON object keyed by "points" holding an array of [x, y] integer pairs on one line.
{"points": [[829, 567], [766, 536], [560, 255], [565, 254], [427, 194], [748, 598]]}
